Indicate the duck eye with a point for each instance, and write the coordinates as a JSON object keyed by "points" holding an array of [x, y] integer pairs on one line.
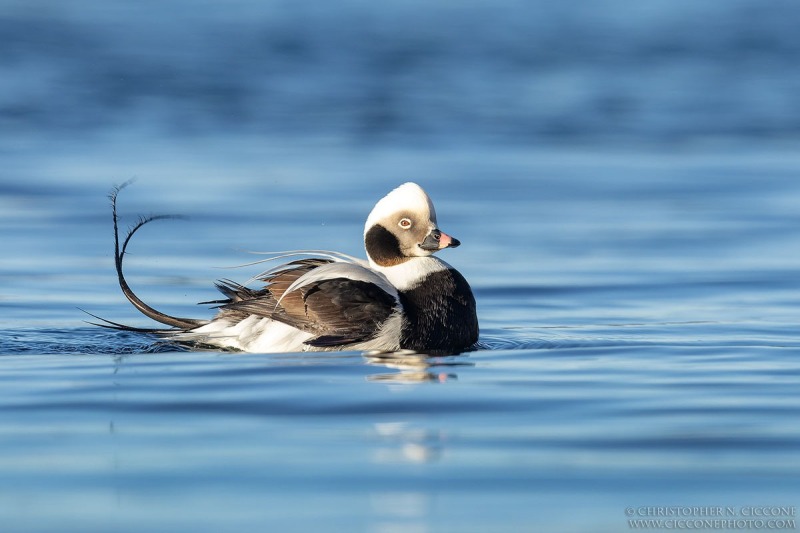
{"points": [[404, 223]]}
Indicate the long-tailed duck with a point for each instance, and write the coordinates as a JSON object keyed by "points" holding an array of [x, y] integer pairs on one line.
{"points": [[401, 298]]}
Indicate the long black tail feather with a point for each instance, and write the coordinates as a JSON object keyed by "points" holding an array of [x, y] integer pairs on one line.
{"points": [[119, 254], [122, 327]]}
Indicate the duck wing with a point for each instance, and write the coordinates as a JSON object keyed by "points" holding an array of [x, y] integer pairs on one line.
{"points": [[339, 303]]}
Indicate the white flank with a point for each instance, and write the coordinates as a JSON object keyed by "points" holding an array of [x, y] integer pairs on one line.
{"points": [[262, 335], [253, 334]]}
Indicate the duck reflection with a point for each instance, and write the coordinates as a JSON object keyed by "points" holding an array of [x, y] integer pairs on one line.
{"points": [[399, 511], [401, 442], [414, 367]]}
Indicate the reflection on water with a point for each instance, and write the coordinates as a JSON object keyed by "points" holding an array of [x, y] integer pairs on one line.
{"points": [[415, 367], [407, 375], [238, 439], [401, 512], [401, 442]]}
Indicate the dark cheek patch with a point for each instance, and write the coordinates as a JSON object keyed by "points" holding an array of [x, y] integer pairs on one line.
{"points": [[382, 246]]}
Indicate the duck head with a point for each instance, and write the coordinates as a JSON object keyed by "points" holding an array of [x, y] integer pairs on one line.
{"points": [[402, 226]]}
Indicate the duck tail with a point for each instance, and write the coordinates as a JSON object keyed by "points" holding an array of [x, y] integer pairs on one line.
{"points": [[119, 254]]}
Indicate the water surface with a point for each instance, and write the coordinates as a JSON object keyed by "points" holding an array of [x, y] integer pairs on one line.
{"points": [[625, 190]]}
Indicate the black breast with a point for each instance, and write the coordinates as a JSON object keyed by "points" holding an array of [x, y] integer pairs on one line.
{"points": [[440, 315]]}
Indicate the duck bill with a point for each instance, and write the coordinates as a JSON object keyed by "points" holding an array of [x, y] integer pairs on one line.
{"points": [[438, 240]]}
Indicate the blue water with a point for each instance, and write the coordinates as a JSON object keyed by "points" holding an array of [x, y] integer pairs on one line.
{"points": [[623, 178]]}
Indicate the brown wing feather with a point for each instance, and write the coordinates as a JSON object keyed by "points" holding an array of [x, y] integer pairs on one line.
{"points": [[280, 280], [336, 311], [242, 301]]}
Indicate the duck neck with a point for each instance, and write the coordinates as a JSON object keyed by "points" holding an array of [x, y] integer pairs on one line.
{"points": [[411, 272], [440, 314]]}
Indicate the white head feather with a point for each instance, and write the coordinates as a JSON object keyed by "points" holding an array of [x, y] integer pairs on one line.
{"points": [[407, 197]]}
